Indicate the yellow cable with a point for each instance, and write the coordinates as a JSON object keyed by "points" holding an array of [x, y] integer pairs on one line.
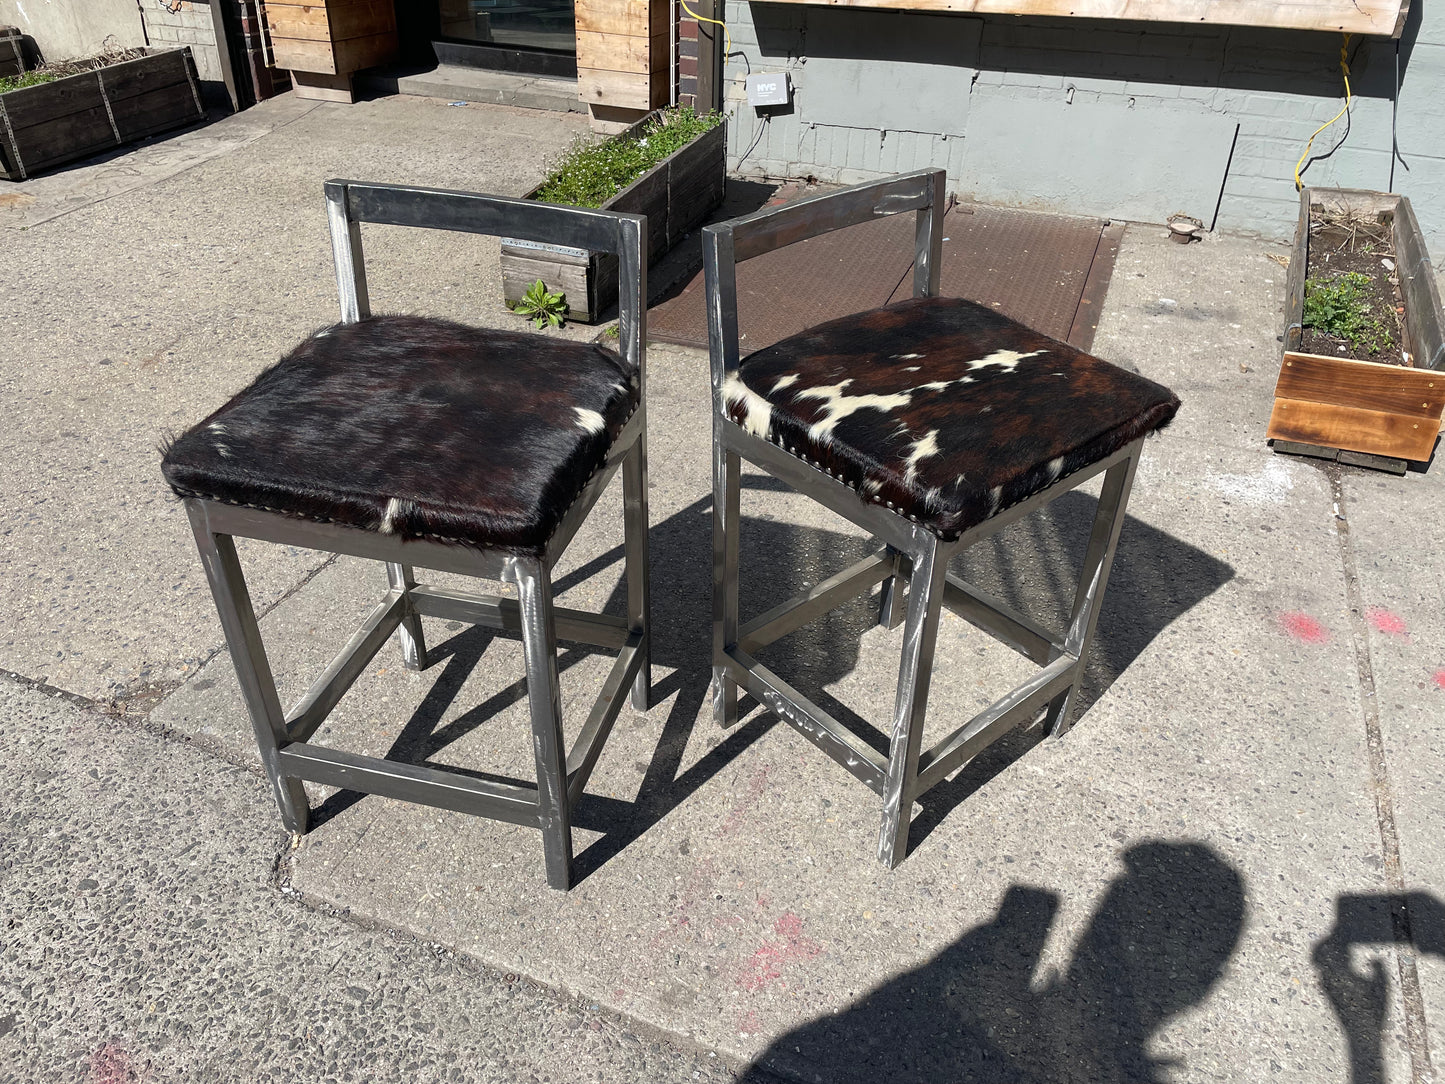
{"points": [[718, 22], [1344, 67]]}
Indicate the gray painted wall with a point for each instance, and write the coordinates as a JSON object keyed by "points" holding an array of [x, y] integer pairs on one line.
{"points": [[63, 29], [1129, 120]]}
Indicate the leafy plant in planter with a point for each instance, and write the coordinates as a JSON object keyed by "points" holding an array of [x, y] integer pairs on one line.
{"points": [[542, 306], [29, 79], [589, 174], [1339, 306], [670, 166]]}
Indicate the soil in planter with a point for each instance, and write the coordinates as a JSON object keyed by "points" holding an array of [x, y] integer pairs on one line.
{"points": [[1352, 264]]}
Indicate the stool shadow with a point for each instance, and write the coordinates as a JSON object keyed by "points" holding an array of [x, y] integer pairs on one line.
{"points": [[1033, 566], [976, 1013], [1156, 579], [681, 576]]}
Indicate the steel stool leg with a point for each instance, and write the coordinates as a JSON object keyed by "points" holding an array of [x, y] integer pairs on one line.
{"points": [[920, 633], [634, 522], [1093, 578], [539, 646], [253, 671], [726, 508], [413, 642], [890, 599]]}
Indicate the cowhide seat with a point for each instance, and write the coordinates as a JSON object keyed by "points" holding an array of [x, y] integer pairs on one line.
{"points": [[932, 424], [417, 441]]}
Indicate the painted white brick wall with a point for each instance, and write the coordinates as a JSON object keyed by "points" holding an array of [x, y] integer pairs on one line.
{"points": [[190, 25], [1277, 85]]}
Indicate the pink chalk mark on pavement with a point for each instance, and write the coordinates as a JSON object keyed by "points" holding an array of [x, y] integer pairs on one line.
{"points": [[1439, 677], [110, 1065], [1304, 628], [772, 957], [1387, 622]]}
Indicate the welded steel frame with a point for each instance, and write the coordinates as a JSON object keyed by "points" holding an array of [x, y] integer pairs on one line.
{"points": [[909, 561], [283, 737]]}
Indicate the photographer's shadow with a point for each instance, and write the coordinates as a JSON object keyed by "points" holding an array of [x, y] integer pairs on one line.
{"points": [[1360, 996], [974, 1014]]}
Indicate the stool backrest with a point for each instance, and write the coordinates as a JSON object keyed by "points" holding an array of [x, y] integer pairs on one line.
{"points": [[350, 203], [727, 244]]}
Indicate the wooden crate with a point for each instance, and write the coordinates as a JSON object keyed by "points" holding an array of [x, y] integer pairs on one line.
{"points": [[322, 43], [676, 195], [1363, 412], [54, 123]]}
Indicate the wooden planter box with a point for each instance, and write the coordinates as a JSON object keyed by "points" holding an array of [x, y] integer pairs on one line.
{"points": [[324, 42], [1361, 412], [676, 195], [81, 115]]}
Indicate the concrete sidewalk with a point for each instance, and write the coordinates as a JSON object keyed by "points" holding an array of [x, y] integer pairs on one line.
{"points": [[1200, 882]]}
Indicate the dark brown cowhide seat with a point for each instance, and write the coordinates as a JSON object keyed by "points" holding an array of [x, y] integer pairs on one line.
{"points": [[941, 409], [416, 427]]}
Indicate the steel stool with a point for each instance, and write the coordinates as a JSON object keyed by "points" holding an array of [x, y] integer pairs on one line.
{"points": [[932, 424], [414, 441]]}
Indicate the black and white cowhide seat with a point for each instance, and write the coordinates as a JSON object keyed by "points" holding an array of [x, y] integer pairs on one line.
{"points": [[415, 427], [940, 409], [416, 442], [930, 424]]}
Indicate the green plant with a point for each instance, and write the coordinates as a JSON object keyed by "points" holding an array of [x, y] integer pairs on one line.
{"points": [[29, 79], [589, 174], [542, 306], [1340, 306]]}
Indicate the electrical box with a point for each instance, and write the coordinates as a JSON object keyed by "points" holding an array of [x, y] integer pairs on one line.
{"points": [[766, 90]]}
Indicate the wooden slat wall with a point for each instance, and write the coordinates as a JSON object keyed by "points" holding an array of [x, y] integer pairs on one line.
{"points": [[1376, 17], [335, 37], [622, 53]]}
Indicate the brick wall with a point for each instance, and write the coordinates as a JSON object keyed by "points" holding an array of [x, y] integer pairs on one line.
{"points": [[1276, 86], [171, 24]]}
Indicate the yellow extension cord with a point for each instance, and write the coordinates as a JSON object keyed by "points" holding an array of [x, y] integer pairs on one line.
{"points": [[1344, 67], [717, 22]]}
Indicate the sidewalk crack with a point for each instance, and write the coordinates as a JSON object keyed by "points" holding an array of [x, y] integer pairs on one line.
{"points": [[1416, 1035]]}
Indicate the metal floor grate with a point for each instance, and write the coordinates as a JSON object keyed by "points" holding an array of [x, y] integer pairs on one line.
{"points": [[1047, 271]]}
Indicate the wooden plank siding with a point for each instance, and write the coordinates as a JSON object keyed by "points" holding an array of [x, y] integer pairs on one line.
{"points": [[622, 48], [336, 37], [1384, 18]]}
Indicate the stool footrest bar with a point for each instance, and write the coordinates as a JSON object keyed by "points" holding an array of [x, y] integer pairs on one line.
{"points": [[1003, 715], [811, 721], [590, 739], [578, 626], [411, 783], [820, 599], [995, 617], [313, 708]]}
